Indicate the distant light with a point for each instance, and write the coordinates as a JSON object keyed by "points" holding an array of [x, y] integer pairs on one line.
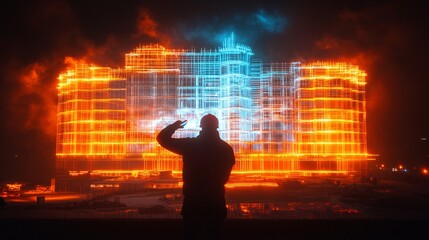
{"points": [[14, 187], [424, 171], [394, 169], [400, 166], [424, 138]]}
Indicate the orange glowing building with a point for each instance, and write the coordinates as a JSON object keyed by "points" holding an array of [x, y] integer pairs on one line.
{"points": [[280, 118], [331, 116]]}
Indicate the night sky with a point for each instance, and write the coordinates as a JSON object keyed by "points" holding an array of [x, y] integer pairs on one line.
{"points": [[387, 39]]}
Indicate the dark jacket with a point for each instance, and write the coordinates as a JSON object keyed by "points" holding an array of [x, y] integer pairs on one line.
{"points": [[207, 162]]}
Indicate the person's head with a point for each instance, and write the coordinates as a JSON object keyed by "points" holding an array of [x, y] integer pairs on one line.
{"points": [[209, 121]]}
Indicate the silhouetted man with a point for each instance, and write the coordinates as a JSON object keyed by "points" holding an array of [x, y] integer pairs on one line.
{"points": [[207, 164]]}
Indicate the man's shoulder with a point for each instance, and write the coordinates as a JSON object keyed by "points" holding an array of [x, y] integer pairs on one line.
{"points": [[226, 145]]}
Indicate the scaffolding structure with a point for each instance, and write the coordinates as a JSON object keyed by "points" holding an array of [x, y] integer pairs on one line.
{"points": [[278, 117], [331, 116], [273, 122], [90, 118]]}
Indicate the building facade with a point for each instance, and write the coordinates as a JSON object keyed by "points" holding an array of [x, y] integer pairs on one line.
{"points": [[302, 118]]}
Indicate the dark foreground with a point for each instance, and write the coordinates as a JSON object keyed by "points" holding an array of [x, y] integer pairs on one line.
{"points": [[233, 229], [391, 209]]}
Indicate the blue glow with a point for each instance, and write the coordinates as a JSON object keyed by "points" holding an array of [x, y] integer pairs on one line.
{"points": [[249, 26], [272, 23]]}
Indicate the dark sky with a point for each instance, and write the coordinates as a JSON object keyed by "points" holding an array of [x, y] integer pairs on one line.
{"points": [[387, 39]]}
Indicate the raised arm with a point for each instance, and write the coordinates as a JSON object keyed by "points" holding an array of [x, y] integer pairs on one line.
{"points": [[165, 140]]}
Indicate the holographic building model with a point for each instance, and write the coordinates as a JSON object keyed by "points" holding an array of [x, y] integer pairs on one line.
{"points": [[280, 118]]}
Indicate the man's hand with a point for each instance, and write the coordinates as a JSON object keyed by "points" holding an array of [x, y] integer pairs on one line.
{"points": [[179, 124]]}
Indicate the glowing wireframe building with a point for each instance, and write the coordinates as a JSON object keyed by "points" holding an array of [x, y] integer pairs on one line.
{"points": [[280, 118]]}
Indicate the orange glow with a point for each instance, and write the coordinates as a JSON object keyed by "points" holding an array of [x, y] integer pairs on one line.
{"points": [[14, 187], [146, 24], [91, 115], [251, 184], [67, 197], [104, 185], [49, 197], [425, 171], [30, 80], [332, 119]]}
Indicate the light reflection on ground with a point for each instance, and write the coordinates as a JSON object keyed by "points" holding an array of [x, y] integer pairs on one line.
{"points": [[288, 200], [50, 198], [251, 184]]}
